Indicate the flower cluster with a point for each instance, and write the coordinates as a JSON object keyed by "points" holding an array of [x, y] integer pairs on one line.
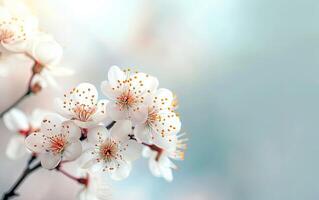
{"points": [[20, 37], [105, 135], [137, 115]]}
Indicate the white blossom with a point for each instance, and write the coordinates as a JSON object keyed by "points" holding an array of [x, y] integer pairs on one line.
{"points": [[82, 106], [161, 121], [48, 53], [16, 30], [20, 124], [55, 141], [112, 152], [128, 91], [160, 164]]}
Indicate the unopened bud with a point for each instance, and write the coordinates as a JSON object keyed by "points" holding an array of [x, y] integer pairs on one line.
{"points": [[37, 68], [36, 88]]}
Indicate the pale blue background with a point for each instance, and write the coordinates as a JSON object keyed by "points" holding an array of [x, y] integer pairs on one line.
{"points": [[246, 73]]}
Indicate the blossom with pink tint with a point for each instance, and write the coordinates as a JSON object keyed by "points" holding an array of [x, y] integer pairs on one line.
{"points": [[56, 140], [112, 152], [82, 106], [128, 92], [162, 122]]}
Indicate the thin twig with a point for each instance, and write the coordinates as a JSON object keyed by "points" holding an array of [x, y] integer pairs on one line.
{"points": [[27, 93], [27, 171], [80, 180]]}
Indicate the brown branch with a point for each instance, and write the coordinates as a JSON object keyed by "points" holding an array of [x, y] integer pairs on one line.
{"points": [[26, 172]]}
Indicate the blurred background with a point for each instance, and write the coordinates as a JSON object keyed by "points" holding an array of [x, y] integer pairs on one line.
{"points": [[246, 75]]}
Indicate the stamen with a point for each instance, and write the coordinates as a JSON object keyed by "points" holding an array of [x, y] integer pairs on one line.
{"points": [[6, 35], [83, 112], [108, 150], [126, 99], [57, 143]]}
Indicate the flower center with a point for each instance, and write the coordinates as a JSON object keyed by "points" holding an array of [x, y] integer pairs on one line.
{"points": [[83, 112], [152, 116], [57, 143], [126, 99], [108, 150], [6, 35]]}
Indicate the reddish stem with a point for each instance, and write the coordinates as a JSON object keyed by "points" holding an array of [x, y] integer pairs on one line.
{"points": [[153, 147], [80, 180]]}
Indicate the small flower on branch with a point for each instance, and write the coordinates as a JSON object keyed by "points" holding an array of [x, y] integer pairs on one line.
{"points": [[81, 105], [55, 141], [112, 152]]}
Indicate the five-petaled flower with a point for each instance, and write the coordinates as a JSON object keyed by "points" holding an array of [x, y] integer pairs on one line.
{"points": [[128, 92], [161, 123], [112, 152], [161, 165], [55, 141], [82, 106]]}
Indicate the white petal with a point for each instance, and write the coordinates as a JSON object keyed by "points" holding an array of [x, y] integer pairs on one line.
{"points": [[161, 141], [49, 160], [62, 108], [115, 112], [108, 90], [16, 147], [168, 126], [132, 151], [154, 167], [72, 151], [84, 94], [49, 79], [163, 99], [147, 152], [144, 83], [142, 133], [36, 117], [167, 173], [35, 142], [100, 114], [19, 46], [86, 194], [97, 167], [47, 51], [71, 130], [97, 134], [16, 120], [87, 124], [88, 164], [121, 130], [122, 172], [115, 74], [51, 124], [139, 115]]}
